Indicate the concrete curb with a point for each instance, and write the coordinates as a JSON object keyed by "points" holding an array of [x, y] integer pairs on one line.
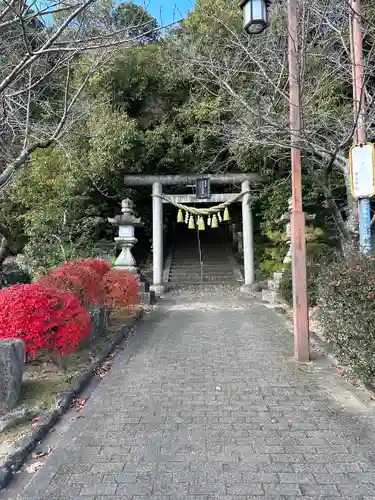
{"points": [[47, 420]]}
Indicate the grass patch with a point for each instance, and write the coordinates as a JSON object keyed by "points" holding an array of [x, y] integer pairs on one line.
{"points": [[12, 434], [42, 391]]}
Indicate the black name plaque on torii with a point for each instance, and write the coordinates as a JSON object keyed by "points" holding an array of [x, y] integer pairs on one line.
{"points": [[203, 189]]}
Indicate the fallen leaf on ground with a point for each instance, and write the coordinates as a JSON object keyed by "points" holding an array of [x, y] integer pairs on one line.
{"points": [[103, 369], [35, 420], [78, 404], [39, 454], [33, 467], [76, 417]]}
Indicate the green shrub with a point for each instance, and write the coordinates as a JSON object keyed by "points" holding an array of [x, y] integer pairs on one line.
{"points": [[270, 250], [318, 256], [347, 312], [286, 288]]}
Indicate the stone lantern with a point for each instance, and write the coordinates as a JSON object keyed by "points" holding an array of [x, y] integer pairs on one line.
{"points": [[126, 223]]}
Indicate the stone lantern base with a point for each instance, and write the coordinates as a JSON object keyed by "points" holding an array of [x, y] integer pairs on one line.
{"points": [[125, 261]]}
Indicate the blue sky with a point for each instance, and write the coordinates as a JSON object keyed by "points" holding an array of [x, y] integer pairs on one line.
{"points": [[167, 11]]}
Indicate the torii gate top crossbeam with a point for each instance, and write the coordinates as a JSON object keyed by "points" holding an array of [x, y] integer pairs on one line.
{"points": [[175, 180]]}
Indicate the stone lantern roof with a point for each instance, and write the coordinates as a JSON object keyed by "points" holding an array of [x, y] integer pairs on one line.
{"points": [[127, 218]]}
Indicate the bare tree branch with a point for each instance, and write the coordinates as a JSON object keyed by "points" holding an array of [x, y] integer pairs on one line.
{"points": [[251, 75], [40, 87]]}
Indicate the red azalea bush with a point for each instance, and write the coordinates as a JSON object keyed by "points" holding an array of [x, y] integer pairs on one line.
{"points": [[78, 279], [100, 266], [121, 289], [44, 318]]}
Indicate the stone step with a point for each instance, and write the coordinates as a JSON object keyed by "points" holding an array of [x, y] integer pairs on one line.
{"points": [[196, 258], [206, 262], [209, 267], [221, 252], [198, 275], [203, 284], [205, 258], [198, 281], [213, 247], [203, 249], [216, 265], [183, 272], [182, 275], [198, 269]]}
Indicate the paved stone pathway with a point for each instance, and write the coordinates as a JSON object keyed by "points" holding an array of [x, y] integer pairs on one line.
{"points": [[207, 403]]}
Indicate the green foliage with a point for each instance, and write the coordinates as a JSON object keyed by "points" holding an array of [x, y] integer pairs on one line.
{"points": [[347, 311], [115, 140], [212, 18], [140, 120], [59, 209], [138, 21], [271, 249], [145, 112], [286, 286], [319, 255]]}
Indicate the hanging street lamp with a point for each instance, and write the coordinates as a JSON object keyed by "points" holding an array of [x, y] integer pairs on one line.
{"points": [[255, 15]]}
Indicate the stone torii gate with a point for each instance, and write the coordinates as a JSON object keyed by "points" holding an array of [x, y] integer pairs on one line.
{"points": [[157, 182]]}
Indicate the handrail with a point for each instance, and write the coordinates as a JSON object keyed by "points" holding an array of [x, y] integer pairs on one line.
{"points": [[200, 254]]}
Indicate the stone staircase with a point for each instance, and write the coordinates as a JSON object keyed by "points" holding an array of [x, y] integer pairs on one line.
{"points": [[218, 264]]}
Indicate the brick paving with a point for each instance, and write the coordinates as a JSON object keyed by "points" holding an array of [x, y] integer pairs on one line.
{"points": [[207, 403]]}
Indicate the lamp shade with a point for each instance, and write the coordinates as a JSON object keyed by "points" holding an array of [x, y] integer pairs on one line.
{"points": [[255, 15]]}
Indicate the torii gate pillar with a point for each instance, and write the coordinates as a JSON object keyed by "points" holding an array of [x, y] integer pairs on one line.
{"points": [[157, 239], [248, 243]]}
